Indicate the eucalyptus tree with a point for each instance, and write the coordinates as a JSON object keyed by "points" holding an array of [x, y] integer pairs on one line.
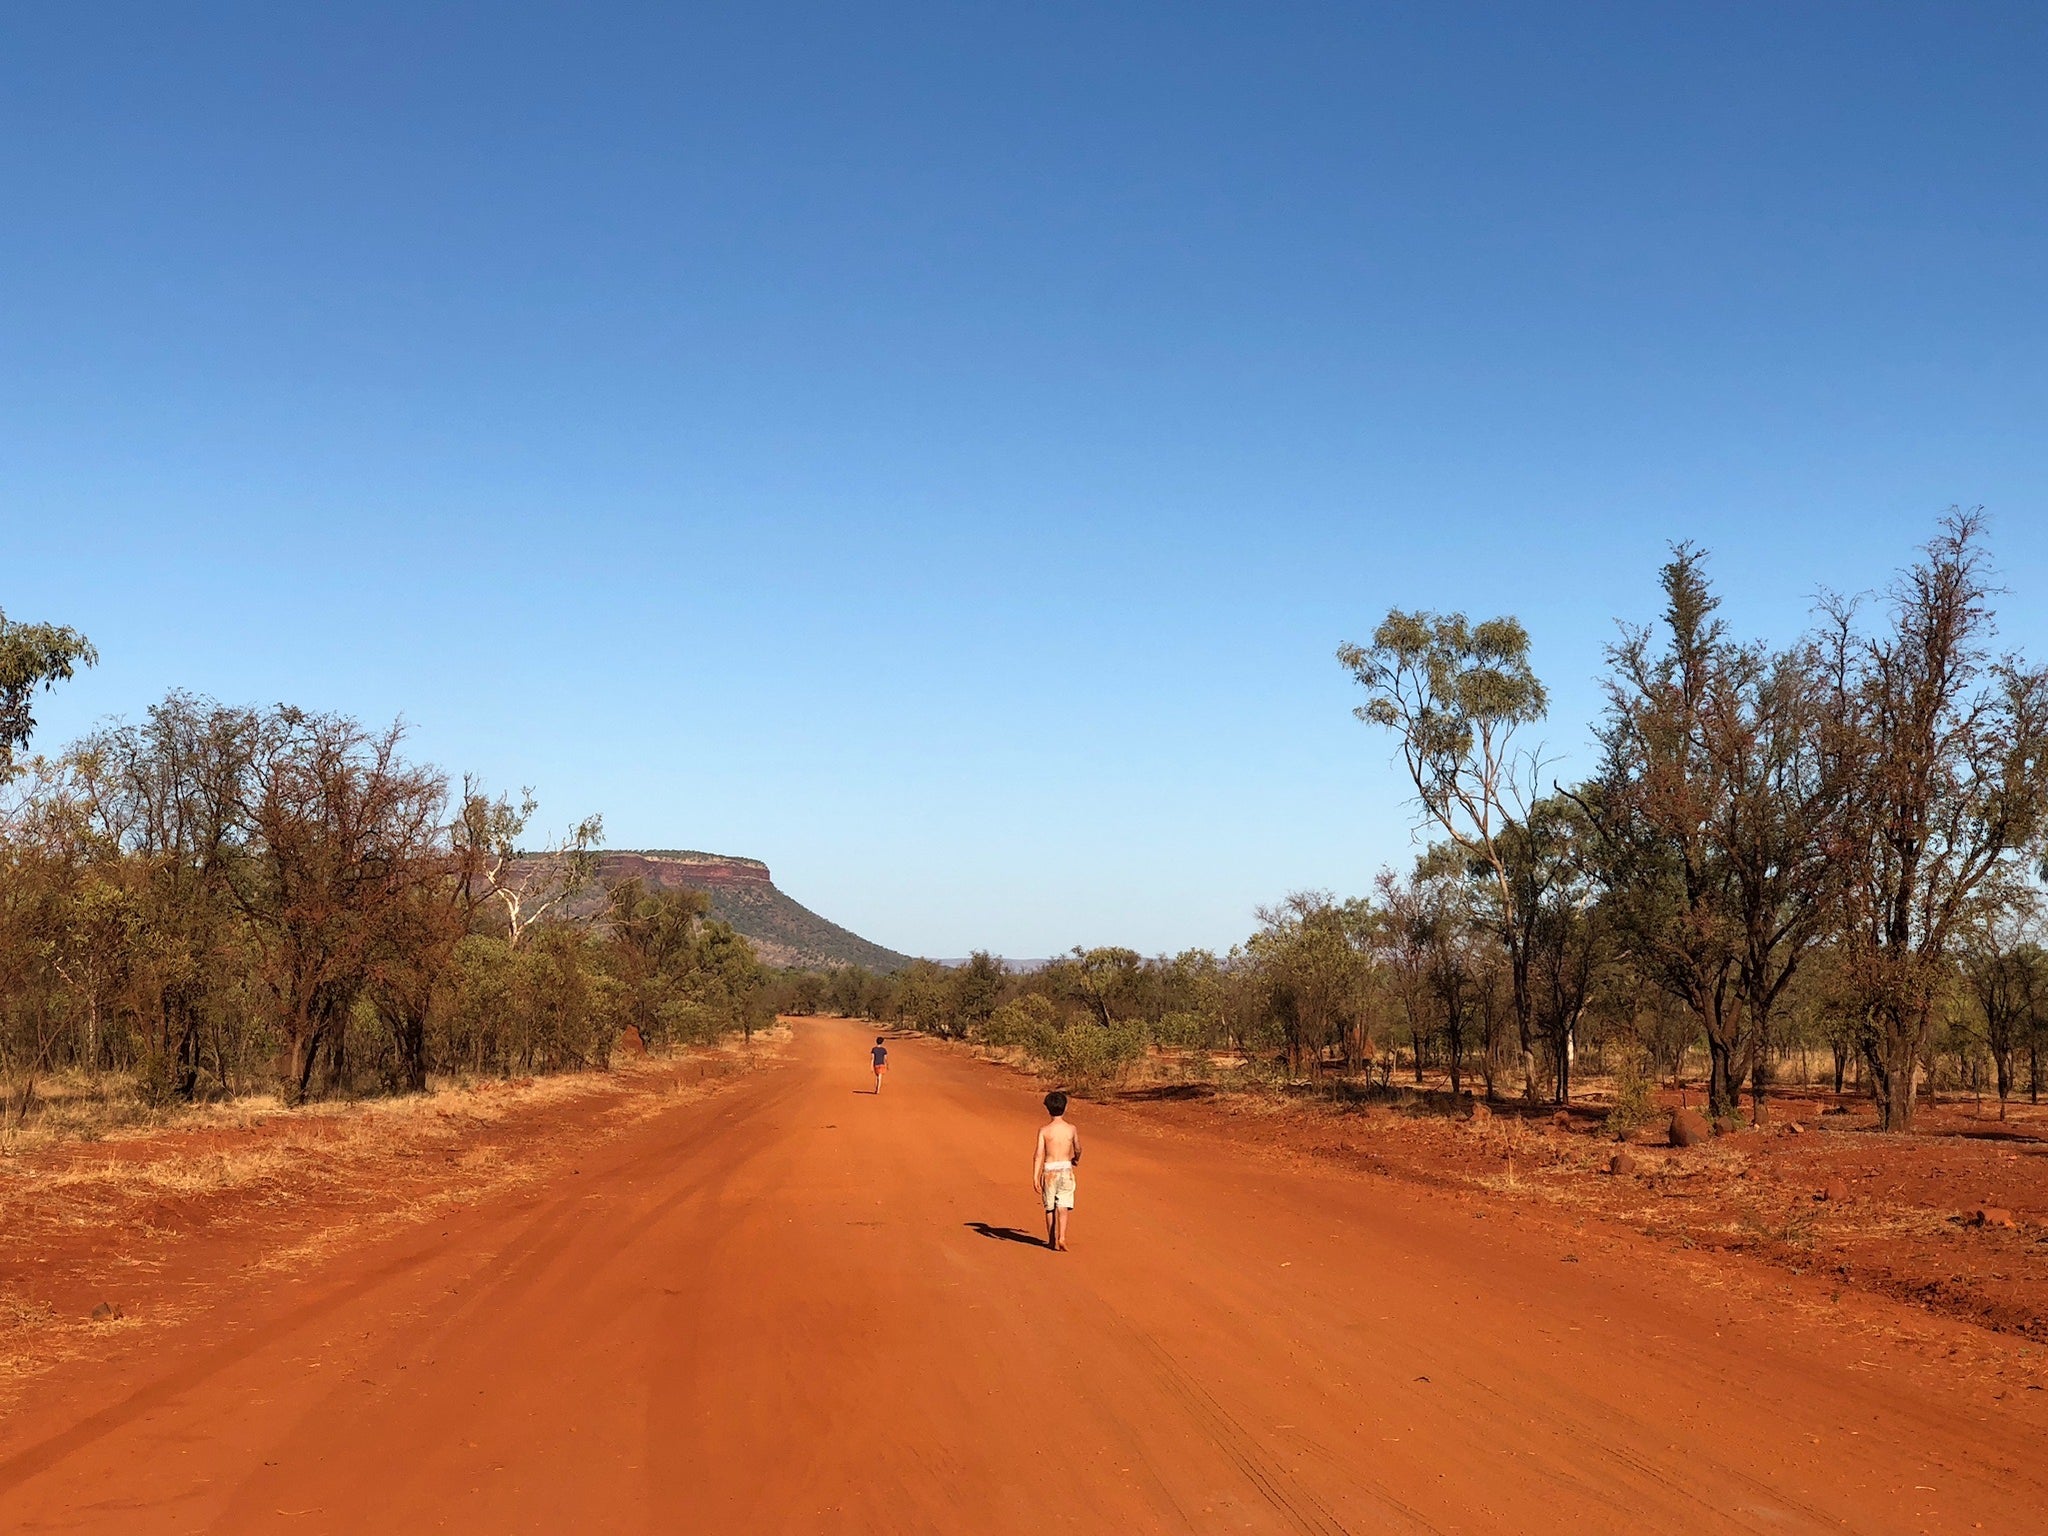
{"points": [[924, 997], [1313, 971], [725, 979], [977, 989], [652, 946], [341, 835], [1564, 927], [1457, 697], [1947, 746], [2007, 972], [531, 886], [1108, 981], [161, 802], [33, 656], [1402, 935], [1429, 935], [1719, 810]]}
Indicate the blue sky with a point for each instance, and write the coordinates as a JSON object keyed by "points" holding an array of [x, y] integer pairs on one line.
{"points": [[937, 449]]}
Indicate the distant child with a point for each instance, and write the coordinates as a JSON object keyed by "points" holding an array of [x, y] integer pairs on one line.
{"points": [[1053, 1160], [881, 1057]]}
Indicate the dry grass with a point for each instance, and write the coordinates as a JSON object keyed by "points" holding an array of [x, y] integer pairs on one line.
{"points": [[72, 1106], [269, 1144], [78, 1107], [106, 1107]]}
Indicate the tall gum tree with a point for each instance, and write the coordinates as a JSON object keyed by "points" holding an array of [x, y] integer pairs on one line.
{"points": [[342, 831], [1456, 696], [33, 656], [1564, 932], [160, 801], [2005, 967], [1947, 745], [529, 885], [1422, 930], [1718, 807], [1314, 971]]}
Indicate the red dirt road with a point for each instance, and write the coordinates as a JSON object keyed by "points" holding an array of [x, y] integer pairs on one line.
{"points": [[773, 1311]]}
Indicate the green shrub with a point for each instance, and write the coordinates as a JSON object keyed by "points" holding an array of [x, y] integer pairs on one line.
{"points": [[1082, 1052], [1020, 1021], [691, 1021], [1185, 1031], [1635, 1099], [1072, 1048]]}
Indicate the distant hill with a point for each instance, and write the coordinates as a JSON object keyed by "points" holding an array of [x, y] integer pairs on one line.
{"points": [[783, 930]]}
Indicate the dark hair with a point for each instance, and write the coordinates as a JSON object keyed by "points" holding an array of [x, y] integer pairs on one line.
{"points": [[1055, 1103], [878, 1039]]}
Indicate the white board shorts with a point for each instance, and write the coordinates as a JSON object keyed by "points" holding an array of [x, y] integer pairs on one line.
{"points": [[1059, 1186]]}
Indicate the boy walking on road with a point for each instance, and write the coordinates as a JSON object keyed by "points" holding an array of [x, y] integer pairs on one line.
{"points": [[881, 1059], [1052, 1170]]}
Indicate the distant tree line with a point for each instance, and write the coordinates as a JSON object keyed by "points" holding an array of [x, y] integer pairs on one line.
{"points": [[1827, 852], [219, 899]]}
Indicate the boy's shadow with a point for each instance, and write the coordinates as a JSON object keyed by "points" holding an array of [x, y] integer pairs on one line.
{"points": [[1006, 1234]]}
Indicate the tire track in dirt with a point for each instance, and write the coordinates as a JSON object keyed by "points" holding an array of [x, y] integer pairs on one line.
{"points": [[23, 1464], [1302, 1510]]}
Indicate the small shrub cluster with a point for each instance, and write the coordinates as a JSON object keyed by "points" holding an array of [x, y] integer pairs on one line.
{"points": [[1635, 1095], [1078, 1052]]}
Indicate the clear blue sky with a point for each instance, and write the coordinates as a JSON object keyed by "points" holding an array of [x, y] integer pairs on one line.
{"points": [[936, 449]]}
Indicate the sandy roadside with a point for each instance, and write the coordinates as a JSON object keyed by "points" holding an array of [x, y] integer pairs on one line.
{"points": [[102, 1241]]}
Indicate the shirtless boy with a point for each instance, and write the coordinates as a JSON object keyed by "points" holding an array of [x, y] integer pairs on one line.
{"points": [[1052, 1170]]}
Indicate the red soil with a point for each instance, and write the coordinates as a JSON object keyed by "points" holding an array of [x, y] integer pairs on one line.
{"points": [[156, 1226], [796, 1306], [1890, 1215]]}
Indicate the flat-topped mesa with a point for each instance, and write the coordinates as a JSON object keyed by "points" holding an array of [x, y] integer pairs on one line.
{"points": [[671, 868], [782, 930]]}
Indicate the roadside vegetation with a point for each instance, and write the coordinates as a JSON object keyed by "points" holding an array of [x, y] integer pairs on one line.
{"points": [[1809, 864], [1815, 864], [220, 901]]}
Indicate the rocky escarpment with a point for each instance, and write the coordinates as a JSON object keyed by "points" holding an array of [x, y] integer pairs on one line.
{"points": [[674, 869], [783, 930]]}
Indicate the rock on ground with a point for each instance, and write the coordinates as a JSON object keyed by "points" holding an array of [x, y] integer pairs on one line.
{"points": [[1689, 1128]]}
